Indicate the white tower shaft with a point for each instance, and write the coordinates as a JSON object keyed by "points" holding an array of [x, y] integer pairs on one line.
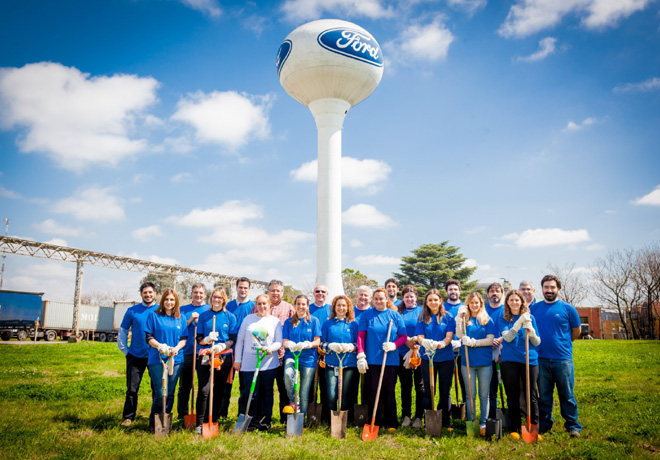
{"points": [[329, 115]]}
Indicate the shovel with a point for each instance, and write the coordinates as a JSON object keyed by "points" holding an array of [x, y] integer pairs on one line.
{"points": [[432, 418], [457, 410], [360, 411], [503, 413], [471, 427], [210, 430], [370, 432], [190, 420], [294, 422], [530, 433], [163, 422], [314, 409], [339, 417], [244, 420]]}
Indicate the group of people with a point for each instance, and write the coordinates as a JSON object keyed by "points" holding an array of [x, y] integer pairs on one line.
{"points": [[409, 339]]}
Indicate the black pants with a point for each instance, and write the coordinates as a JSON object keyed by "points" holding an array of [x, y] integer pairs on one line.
{"points": [[281, 389], [443, 375], [261, 407], [492, 393], [185, 386], [226, 396], [323, 390], [461, 383], [406, 378], [204, 388], [134, 371], [357, 388], [515, 384], [386, 415]]}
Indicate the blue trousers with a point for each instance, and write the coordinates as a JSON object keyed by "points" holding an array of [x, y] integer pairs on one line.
{"points": [[306, 377], [156, 374], [559, 372], [332, 383], [484, 375]]}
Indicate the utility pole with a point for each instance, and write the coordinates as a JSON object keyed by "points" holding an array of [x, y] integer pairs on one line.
{"points": [[4, 255]]}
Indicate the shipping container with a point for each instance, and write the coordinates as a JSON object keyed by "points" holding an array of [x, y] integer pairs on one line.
{"points": [[18, 312], [120, 310], [59, 315]]}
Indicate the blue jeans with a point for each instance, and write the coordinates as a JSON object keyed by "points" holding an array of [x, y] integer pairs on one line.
{"points": [[306, 377], [332, 383], [484, 375], [558, 372], [156, 374]]}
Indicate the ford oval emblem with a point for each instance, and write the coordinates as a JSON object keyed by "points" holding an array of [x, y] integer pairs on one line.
{"points": [[351, 43], [282, 54]]}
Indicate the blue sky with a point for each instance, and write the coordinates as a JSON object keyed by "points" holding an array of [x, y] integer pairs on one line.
{"points": [[524, 132]]}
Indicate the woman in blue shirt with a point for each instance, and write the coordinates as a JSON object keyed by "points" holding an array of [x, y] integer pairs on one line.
{"points": [[166, 332], [476, 342], [435, 330], [512, 324], [410, 312], [339, 337], [301, 332]]}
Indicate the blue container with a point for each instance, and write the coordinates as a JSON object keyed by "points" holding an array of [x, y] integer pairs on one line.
{"points": [[19, 308]]}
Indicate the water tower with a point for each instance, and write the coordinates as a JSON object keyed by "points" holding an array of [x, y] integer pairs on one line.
{"points": [[329, 66]]}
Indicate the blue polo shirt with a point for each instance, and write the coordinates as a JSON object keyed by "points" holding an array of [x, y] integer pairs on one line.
{"points": [[555, 321], [358, 313], [322, 313], [339, 331], [313, 308], [225, 324], [514, 351], [240, 311], [135, 319], [375, 323], [168, 330], [437, 331], [187, 311], [410, 319], [304, 331], [479, 356], [452, 308]]}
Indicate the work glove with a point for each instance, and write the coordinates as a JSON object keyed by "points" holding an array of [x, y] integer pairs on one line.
{"points": [[347, 347], [362, 363], [164, 349], [462, 310], [468, 341], [212, 337], [336, 347], [389, 346], [305, 345], [440, 344], [291, 345], [428, 344], [218, 348], [406, 359], [456, 344]]}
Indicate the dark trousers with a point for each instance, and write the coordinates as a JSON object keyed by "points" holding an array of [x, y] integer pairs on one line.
{"points": [[443, 376], [185, 386], [492, 393], [407, 377], [357, 388], [512, 376], [281, 389], [323, 390], [386, 415], [204, 388], [461, 383], [225, 398], [261, 407], [134, 371]]}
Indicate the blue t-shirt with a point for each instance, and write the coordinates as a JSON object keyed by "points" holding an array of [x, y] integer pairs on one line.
{"points": [[187, 311], [479, 356], [339, 331], [514, 351], [452, 309], [396, 303], [134, 319], [435, 331], [304, 331], [168, 330], [322, 314], [359, 312], [494, 314], [225, 324], [240, 311], [555, 321], [410, 319], [376, 322], [313, 308]]}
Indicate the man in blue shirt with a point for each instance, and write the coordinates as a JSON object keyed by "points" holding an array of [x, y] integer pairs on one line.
{"points": [[321, 311], [559, 324], [137, 354], [392, 288], [453, 290], [494, 309], [528, 291]]}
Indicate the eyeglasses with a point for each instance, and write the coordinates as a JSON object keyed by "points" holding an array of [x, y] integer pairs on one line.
{"points": [[320, 292]]}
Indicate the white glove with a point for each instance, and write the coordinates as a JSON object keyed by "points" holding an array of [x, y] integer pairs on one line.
{"points": [[336, 347], [532, 332], [461, 311], [441, 344], [427, 344], [218, 348], [467, 341], [528, 325], [164, 349], [290, 345], [455, 344], [304, 345], [406, 359], [347, 347], [389, 346], [527, 316], [362, 363], [212, 337]]}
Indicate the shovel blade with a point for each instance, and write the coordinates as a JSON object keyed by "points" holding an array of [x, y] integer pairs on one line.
{"points": [[162, 425], [433, 421], [458, 412], [314, 414], [361, 414], [530, 434], [493, 429], [294, 424], [209, 430], [503, 415], [370, 432], [190, 421], [472, 428], [242, 423], [338, 424]]}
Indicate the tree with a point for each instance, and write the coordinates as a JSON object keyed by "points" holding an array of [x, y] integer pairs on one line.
{"points": [[573, 285], [182, 285], [646, 274], [290, 293], [353, 279], [431, 265], [103, 298]]}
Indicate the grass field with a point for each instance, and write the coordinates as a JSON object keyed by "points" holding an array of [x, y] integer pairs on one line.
{"points": [[65, 401]]}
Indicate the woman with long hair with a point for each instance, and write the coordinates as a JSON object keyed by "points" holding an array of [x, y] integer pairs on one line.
{"points": [[408, 375], [476, 342], [166, 333]]}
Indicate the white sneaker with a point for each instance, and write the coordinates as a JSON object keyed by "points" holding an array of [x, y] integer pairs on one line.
{"points": [[406, 421], [417, 423]]}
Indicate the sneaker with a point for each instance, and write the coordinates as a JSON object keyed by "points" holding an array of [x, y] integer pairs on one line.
{"points": [[198, 430], [575, 434], [406, 421], [417, 423], [127, 422], [391, 430]]}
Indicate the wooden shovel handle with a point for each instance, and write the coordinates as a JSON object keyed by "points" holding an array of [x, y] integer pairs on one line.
{"points": [[382, 372]]}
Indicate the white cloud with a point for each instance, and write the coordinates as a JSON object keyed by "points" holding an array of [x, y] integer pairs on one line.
{"points": [[210, 7], [147, 233], [542, 237], [475, 230], [182, 177], [151, 258], [472, 263], [572, 126], [229, 213], [594, 247], [468, 5], [93, 203], [356, 174], [365, 215], [546, 48], [75, 119], [52, 227], [302, 10], [356, 244], [227, 118], [57, 242], [650, 199], [428, 42], [652, 84], [527, 17], [377, 260]]}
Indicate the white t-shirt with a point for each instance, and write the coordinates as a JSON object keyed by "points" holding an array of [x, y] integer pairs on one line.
{"points": [[256, 332]]}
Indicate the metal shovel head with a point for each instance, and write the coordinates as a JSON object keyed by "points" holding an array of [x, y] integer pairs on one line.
{"points": [[190, 421], [369, 432], [294, 424], [472, 428], [433, 421], [162, 425], [338, 424], [242, 423], [458, 411], [503, 416], [530, 434], [493, 429], [209, 430], [360, 414], [314, 414]]}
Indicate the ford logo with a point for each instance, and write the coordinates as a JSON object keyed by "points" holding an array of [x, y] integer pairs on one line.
{"points": [[351, 43], [282, 54]]}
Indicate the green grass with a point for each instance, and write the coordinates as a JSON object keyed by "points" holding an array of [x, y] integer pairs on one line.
{"points": [[65, 401]]}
